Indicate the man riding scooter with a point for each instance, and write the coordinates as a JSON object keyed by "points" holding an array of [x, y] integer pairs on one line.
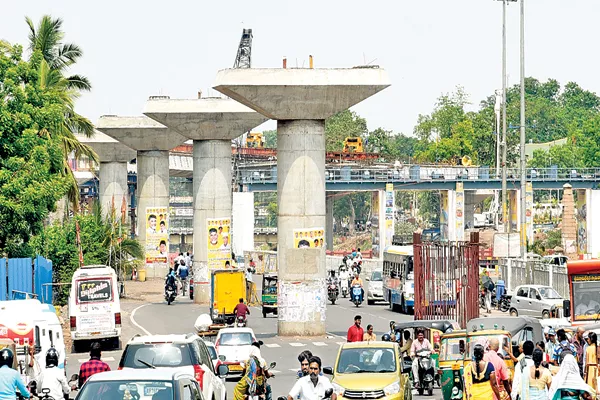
{"points": [[357, 281], [344, 277], [417, 346]]}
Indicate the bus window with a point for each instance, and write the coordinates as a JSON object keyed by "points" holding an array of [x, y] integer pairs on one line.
{"points": [[586, 298]]}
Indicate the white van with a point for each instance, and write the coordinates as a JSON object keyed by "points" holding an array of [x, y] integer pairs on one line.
{"points": [[94, 306], [31, 323]]}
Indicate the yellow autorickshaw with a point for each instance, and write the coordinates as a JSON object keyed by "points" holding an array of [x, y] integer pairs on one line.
{"points": [[452, 353]]}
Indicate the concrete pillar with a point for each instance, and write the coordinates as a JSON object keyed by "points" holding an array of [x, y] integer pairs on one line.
{"points": [[211, 123], [329, 224], [569, 223], [469, 210], [300, 100], [152, 185], [212, 199], [113, 185], [301, 205]]}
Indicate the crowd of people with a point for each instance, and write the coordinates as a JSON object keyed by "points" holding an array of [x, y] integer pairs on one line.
{"points": [[575, 365]]}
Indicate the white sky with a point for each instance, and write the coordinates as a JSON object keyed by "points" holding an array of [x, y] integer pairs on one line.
{"points": [[133, 49]]}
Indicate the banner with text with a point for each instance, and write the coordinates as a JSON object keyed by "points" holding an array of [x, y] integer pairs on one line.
{"points": [[157, 235], [390, 201]]}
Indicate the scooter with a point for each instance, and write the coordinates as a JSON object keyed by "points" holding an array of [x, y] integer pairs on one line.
{"points": [[332, 292], [260, 393], [426, 373], [240, 322], [357, 297], [344, 287], [170, 294]]}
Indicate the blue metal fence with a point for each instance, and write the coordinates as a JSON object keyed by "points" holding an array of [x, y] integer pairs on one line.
{"points": [[20, 276], [3, 289]]}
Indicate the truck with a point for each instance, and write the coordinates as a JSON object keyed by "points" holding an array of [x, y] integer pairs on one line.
{"points": [[228, 286]]}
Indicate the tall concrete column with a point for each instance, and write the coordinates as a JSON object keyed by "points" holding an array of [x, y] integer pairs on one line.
{"points": [[211, 123], [300, 100], [113, 185], [329, 224], [470, 201], [113, 157], [152, 185], [152, 141]]}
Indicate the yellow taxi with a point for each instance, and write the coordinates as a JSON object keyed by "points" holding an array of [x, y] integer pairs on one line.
{"points": [[370, 370]]}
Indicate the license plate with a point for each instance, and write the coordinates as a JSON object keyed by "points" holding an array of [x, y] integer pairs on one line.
{"points": [[235, 367]]}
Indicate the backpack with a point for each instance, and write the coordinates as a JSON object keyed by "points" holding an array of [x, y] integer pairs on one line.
{"points": [[490, 285], [566, 350]]}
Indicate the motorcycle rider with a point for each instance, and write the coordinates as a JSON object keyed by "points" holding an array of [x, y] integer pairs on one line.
{"points": [[344, 276], [10, 380], [54, 377], [240, 310], [332, 278], [393, 334], [312, 386], [358, 281], [170, 280], [420, 344]]}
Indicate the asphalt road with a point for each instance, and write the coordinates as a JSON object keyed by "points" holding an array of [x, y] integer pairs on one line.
{"points": [[159, 318]]}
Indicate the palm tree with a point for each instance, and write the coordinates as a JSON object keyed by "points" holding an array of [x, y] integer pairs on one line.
{"points": [[57, 58]]}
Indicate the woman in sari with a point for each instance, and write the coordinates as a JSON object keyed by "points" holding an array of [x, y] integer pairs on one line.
{"points": [[249, 381], [480, 378], [568, 384], [536, 380], [591, 361]]}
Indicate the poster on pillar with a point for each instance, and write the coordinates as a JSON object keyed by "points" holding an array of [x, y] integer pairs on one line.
{"points": [[389, 213], [581, 209], [219, 242], [444, 215], [375, 224], [529, 211], [157, 235], [309, 238], [460, 211]]}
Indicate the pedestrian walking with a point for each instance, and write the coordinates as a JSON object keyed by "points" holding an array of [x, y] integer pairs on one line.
{"points": [[536, 380], [480, 377], [591, 361], [500, 368], [356, 332], [578, 342], [522, 372], [369, 336], [93, 366], [568, 384]]}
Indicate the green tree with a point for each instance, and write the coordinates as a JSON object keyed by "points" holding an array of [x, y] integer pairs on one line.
{"points": [[56, 59], [342, 125], [270, 139], [31, 156]]}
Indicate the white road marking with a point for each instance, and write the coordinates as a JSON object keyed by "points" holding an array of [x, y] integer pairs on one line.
{"points": [[335, 336], [340, 343], [293, 370], [296, 344], [132, 319], [272, 345], [274, 371], [320, 344]]}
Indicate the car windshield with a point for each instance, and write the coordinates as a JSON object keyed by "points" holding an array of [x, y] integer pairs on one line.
{"points": [[452, 349], [158, 355], [213, 352], [236, 339], [376, 276], [549, 293], [362, 360], [127, 389]]}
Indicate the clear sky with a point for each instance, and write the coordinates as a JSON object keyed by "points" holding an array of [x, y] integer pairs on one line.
{"points": [[134, 49]]}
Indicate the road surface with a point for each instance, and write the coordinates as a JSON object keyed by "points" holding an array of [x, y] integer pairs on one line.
{"points": [[159, 318]]}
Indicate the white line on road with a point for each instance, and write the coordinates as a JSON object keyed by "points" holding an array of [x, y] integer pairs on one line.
{"points": [[335, 336], [340, 343], [320, 344], [296, 344], [274, 371], [293, 370], [131, 317], [272, 345]]}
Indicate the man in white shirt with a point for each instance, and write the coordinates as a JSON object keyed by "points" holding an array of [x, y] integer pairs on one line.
{"points": [[312, 386], [420, 344], [54, 377], [522, 367]]}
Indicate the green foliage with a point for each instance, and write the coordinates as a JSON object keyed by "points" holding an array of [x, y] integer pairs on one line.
{"points": [[30, 155], [547, 242], [405, 229], [342, 125], [270, 139]]}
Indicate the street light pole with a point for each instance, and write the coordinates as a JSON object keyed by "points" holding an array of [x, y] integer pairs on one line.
{"points": [[505, 218], [523, 160]]}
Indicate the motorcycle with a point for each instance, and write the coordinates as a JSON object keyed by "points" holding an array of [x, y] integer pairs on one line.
{"points": [[240, 322], [494, 302], [357, 296], [344, 287], [332, 292], [426, 372], [255, 392], [504, 302], [170, 293]]}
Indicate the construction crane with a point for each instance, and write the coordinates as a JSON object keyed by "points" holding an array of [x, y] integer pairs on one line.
{"points": [[244, 53]]}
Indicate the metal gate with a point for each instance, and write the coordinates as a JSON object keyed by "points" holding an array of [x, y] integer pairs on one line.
{"points": [[21, 278], [446, 279]]}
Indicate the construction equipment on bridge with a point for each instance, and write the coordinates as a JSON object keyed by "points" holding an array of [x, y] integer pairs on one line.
{"points": [[255, 140], [446, 280], [353, 145], [243, 58]]}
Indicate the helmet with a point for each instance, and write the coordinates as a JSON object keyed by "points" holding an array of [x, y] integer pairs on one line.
{"points": [[6, 357], [51, 358], [392, 323], [386, 337]]}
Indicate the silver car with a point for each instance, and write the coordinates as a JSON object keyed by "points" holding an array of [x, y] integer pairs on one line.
{"points": [[534, 300], [375, 287]]}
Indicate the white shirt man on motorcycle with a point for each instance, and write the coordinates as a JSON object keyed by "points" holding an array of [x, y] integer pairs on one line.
{"points": [[312, 386], [420, 344]]}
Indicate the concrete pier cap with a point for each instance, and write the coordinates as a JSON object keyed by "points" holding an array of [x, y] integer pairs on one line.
{"points": [[300, 100], [211, 123], [107, 148], [139, 133]]}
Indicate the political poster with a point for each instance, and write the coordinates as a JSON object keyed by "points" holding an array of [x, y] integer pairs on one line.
{"points": [[309, 238], [218, 242], [157, 235]]}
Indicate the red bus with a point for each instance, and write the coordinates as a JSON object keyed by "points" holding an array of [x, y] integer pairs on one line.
{"points": [[584, 286]]}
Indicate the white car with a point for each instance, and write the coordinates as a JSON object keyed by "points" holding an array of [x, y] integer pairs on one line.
{"points": [[375, 287], [187, 353], [214, 355], [234, 344]]}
